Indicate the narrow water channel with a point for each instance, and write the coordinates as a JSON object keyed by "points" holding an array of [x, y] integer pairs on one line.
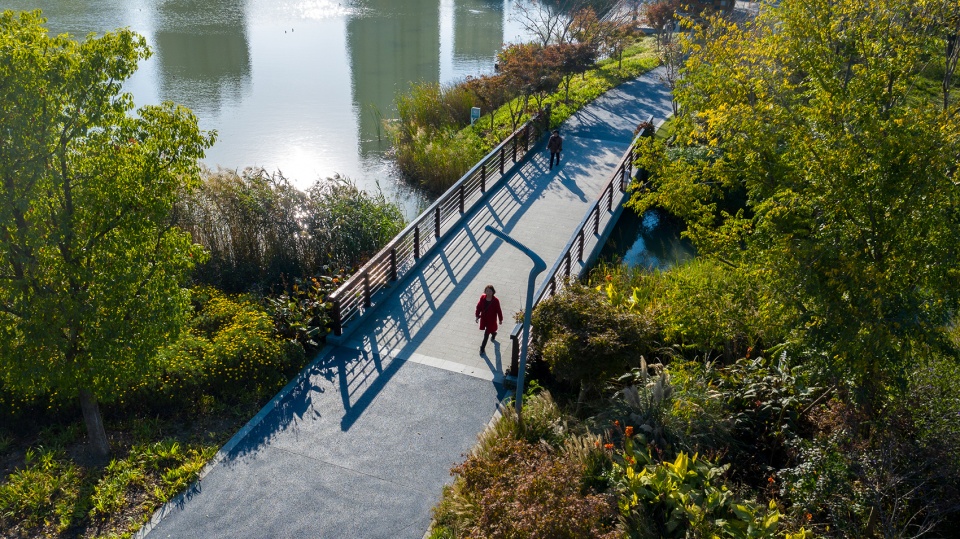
{"points": [[299, 86], [651, 241]]}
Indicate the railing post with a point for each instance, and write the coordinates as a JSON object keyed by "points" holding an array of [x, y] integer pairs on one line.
{"points": [[502, 157], [393, 264], [580, 251], [366, 289], [436, 222], [596, 219], [416, 242], [515, 137], [546, 116], [483, 178], [566, 272], [514, 355], [461, 202], [610, 199], [526, 137], [623, 179], [553, 286], [337, 320]]}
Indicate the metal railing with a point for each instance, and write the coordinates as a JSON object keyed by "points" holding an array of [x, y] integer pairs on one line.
{"points": [[596, 219], [401, 255]]}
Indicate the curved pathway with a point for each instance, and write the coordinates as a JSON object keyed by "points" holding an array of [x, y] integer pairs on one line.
{"points": [[360, 444]]}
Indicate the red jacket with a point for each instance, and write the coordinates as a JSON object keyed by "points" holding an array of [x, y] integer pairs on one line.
{"points": [[489, 313]]}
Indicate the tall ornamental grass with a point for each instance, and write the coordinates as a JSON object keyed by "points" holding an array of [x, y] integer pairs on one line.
{"points": [[260, 230]]}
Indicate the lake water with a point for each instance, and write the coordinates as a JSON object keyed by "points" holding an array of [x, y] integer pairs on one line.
{"points": [[298, 86]]}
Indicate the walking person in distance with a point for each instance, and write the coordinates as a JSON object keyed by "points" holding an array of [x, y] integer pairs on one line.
{"points": [[555, 145], [488, 314]]}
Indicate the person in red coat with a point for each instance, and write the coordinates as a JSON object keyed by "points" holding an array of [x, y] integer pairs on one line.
{"points": [[488, 314]]}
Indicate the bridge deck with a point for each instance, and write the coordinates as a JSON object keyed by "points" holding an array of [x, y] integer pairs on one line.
{"points": [[360, 444]]}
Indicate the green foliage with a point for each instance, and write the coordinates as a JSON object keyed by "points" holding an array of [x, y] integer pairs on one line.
{"points": [[702, 305], [345, 225], [90, 270], [301, 314], [764, 399], [51, 493], [230, 351], [819, 168], [685, 498], [435, 145], [935, 409], [584, 338], [259, 229], [437, 158], [45, 493]]}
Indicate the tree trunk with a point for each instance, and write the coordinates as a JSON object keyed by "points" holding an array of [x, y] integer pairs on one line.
{"points": [[94, 421]]}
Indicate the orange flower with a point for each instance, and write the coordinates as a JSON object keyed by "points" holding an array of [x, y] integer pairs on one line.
{"points": [[808, 516], [629, 431], [608, 446], [597, 443], [617, 423], [770, 479]]}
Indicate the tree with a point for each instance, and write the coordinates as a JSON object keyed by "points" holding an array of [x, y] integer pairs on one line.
{"points": [[90, 269], [555, 21], [490, 91], [661, 16], [616, 36], [809, 153], [575, 58], [529, 70]]}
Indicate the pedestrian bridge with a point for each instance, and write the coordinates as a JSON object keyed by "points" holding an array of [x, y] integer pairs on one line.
{"points": [[361, 442]]}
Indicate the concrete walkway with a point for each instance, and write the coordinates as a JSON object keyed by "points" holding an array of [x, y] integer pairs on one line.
{"points": [[362, 442]]}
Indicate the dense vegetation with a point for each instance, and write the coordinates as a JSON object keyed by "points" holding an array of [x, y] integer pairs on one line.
{"points": [[799, 379], [176, 299]]}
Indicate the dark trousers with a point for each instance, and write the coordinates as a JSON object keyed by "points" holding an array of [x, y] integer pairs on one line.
{"points": [[486, 334], [552, 155]]}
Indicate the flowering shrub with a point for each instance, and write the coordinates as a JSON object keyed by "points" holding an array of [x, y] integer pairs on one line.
{"points": [[230, 351]]}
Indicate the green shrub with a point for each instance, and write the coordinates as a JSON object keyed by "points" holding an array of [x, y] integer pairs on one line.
{"points": [[302, 314], [46, 493], [685, 498], [585, 339], [230, 351], [763, 398], [700, 306]]}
